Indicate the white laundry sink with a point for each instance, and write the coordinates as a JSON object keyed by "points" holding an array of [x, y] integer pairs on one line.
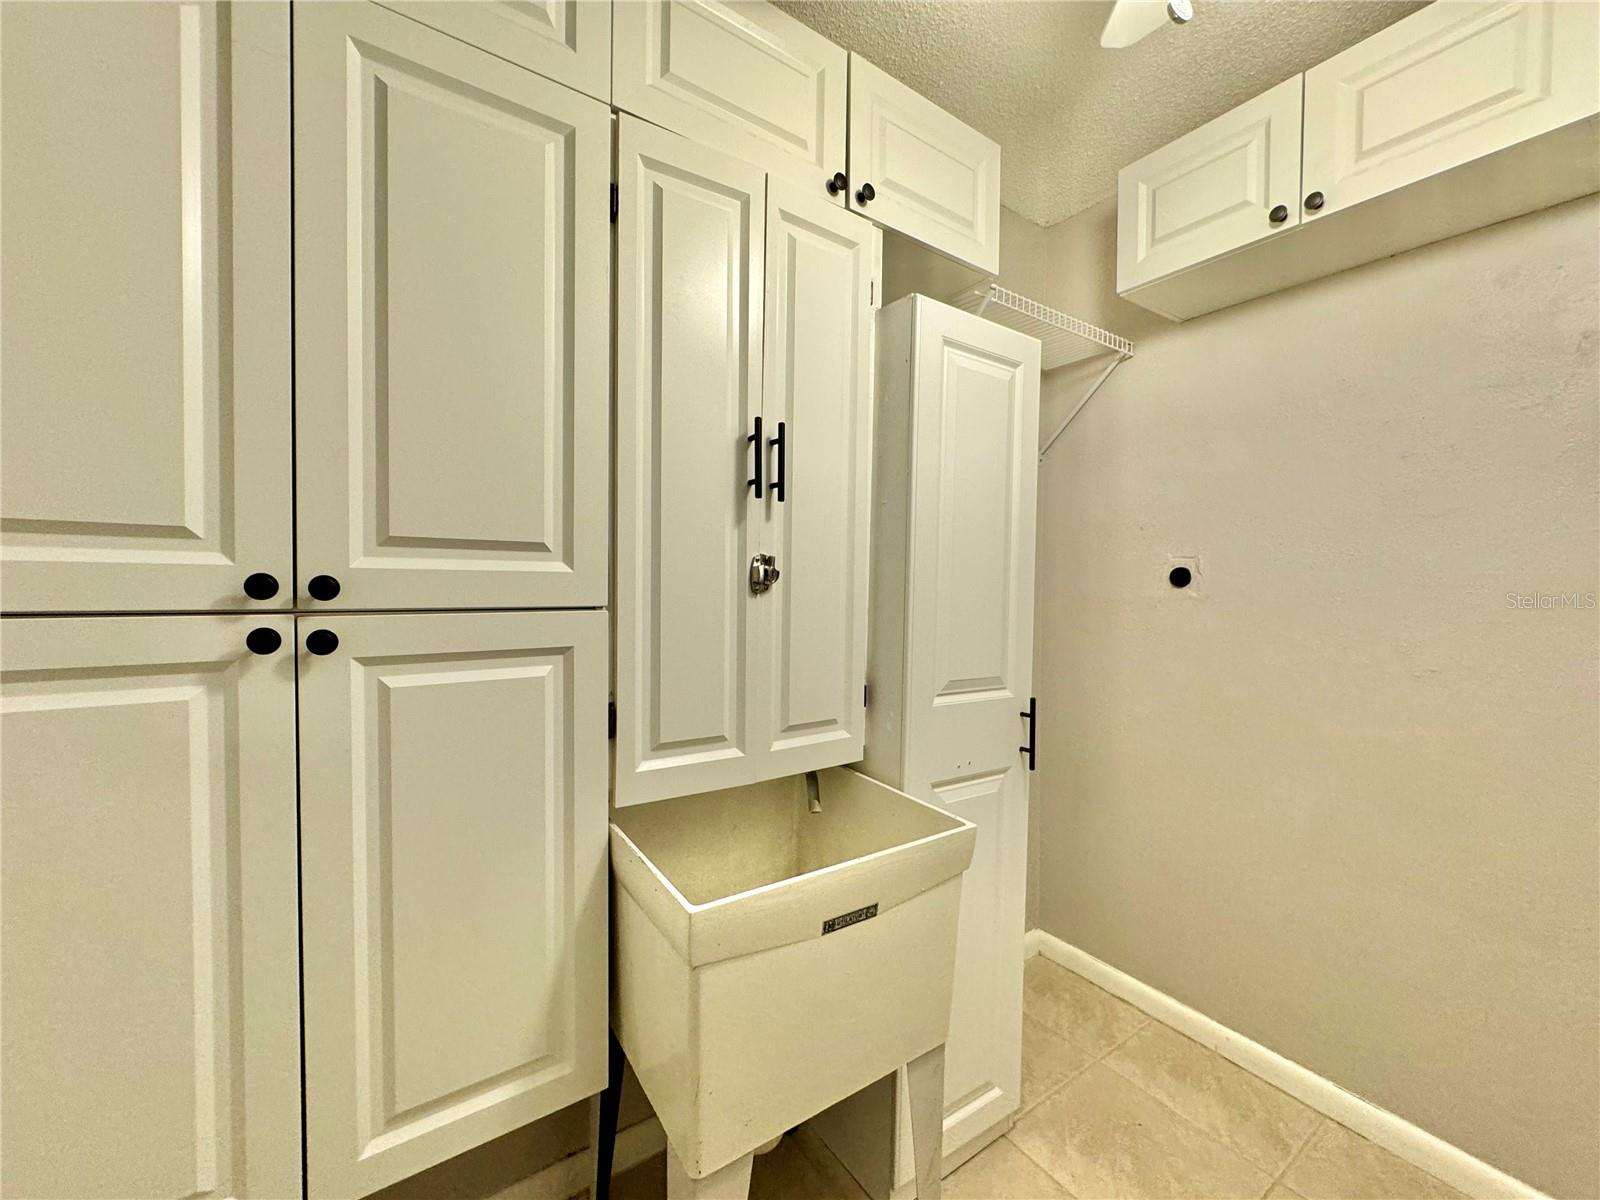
{"points": [[771, 960]]}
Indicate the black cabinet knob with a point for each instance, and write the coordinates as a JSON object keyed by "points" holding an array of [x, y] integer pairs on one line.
{"points": [[837, 184], [322, 641], [323, 587], [260, 586], [1315, 201], [263, 640], [1279, 214], [864, 193]]}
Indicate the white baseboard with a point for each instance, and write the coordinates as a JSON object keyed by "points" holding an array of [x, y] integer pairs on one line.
{"points": [[571, 1175], [1395, 1134]]}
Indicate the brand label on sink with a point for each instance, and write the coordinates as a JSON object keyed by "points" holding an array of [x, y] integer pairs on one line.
{"points": [[845, 920]]}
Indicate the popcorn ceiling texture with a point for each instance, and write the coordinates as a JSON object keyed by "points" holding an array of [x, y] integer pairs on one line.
{"points": [[1068, 114]]}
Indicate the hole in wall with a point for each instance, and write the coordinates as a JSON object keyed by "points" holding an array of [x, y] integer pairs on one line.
{"points": [[1180, 577]]}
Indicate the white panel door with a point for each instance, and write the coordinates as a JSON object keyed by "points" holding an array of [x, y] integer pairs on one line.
{"points": [[817, 411], [1450, 83], [565, 40], [969, 669], [149, 985], [144, 235], [740, 76], [453, 324], [917, 170], [692, 713], [453, 851], [1233, 181]]}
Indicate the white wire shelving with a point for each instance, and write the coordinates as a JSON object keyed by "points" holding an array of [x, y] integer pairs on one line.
{"points": [[1063, 339]]}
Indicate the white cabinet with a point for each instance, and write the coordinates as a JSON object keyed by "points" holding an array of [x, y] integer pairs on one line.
{"points": [[1233, 181], [147, 885], [916, 169], [1451, 83], [453, 874], [145, 243], [723, 457], [740, 76], [821, 272], [1463, 114], [951, 668], [565, 40], [452, 322]]}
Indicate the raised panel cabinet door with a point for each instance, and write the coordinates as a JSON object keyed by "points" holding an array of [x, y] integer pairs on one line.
{"points": [[931, 177], [453, 865], [817, 412], [969, 668], [149, 980], [741, 76], [1213, 190], [1449, 84], [565, 40], [144, 236], [692, 695], [452, 324]]}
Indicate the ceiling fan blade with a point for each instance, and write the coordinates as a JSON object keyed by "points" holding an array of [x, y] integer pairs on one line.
{"points": [[1130, 20]]}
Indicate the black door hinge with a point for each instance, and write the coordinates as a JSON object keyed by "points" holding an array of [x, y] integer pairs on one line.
{"points": [[866, 694], [611, 719], [613, 204]]}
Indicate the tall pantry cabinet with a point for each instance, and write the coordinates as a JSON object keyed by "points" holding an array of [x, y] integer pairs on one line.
{"points": [[262, 791]]}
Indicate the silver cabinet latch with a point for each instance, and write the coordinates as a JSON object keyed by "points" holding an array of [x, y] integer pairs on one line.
{"points": [[763, 573]]}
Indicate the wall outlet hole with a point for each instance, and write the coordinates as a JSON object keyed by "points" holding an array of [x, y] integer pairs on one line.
{"points": [[1179, 577]]}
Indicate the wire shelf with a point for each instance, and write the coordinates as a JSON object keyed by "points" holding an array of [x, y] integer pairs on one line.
{"points": [[1065, 339]]}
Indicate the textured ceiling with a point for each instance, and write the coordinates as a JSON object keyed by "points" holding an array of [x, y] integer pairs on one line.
{"points": [[1067, 114]]}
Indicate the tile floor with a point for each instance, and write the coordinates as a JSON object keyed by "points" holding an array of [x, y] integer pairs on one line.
{"points": [[1115, 1104]]}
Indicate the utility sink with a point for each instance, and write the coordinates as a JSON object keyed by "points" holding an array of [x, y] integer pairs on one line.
{"points": [[777, 952]]}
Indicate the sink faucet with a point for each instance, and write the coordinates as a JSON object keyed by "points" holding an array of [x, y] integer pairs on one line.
{"points": [[813, 792]]}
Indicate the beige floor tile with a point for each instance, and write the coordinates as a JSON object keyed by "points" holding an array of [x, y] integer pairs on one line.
{"points": [[1235, 1107], [1340, 1165], [1048, 1060], [1101, 1136], [1002, 1172], [1073, 1007]]}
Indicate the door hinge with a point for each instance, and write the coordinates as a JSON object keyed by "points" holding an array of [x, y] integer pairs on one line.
{"points": [[611, 719], [866, 694], [613, 204]]}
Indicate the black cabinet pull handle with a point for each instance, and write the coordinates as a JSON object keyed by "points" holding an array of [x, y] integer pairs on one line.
{"points": [[779, 481], [837, 184], [1315, 201], [1279, 214], [754, 439], [263, 640], [865, 192], [323, 587], [322, 641], [260, 586], [1032, 715]]}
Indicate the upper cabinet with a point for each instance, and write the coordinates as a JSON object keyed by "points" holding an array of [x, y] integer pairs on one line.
{"points": [[145, 196], [453, 322], [744, 308], [1465, 113], [1449, 84], [739, 76], [1233, 181], [566, 40], [917, 170]]}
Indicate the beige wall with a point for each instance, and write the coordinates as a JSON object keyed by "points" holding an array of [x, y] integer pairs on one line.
{"points": [[1339, 795]]}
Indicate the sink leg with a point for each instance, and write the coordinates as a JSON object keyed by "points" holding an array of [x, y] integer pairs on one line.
{"points": [[603, 1126], [732, 1182], [925, 1082]]}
